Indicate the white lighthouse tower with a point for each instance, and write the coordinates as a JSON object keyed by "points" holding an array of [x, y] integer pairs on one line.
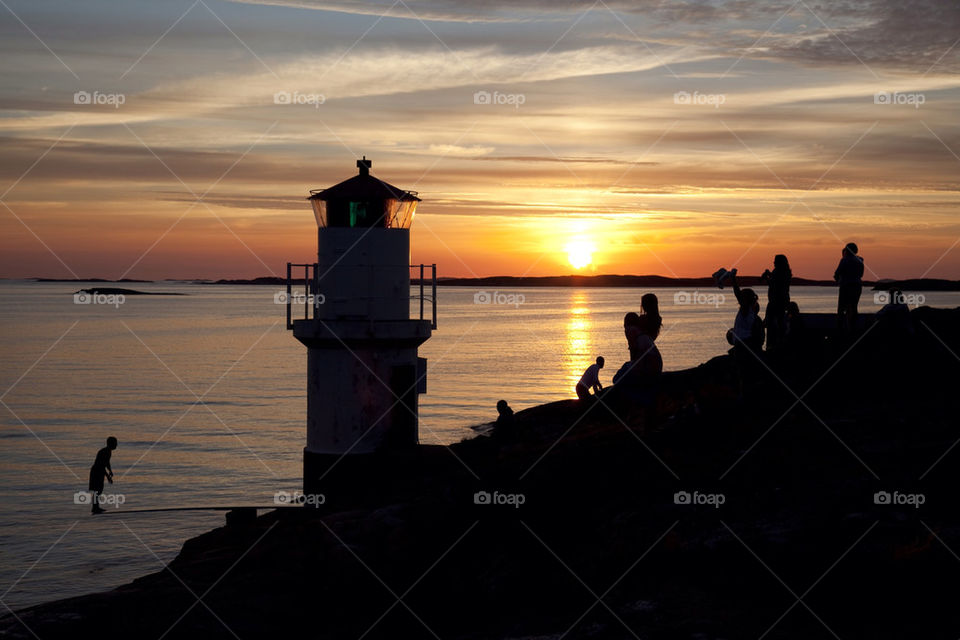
{"points": [[363, 372]]}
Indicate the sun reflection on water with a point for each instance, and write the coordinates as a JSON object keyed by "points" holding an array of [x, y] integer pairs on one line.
{"points": [[580, 342]]}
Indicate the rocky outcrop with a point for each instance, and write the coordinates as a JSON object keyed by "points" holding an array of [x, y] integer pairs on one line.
{"points": [[817, 503]]}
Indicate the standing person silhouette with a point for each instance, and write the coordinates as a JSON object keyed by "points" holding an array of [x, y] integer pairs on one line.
{"points": [[778, 299], [100, 469], [849, 277]]}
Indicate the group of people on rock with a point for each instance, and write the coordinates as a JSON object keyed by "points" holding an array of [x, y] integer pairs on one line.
{"points": [[781, 327], [641, 331]]}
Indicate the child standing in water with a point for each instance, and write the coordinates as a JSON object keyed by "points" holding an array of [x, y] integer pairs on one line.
{"points": [[101, 469]]}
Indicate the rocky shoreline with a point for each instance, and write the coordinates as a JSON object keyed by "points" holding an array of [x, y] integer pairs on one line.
{"points": [[707, 515]]}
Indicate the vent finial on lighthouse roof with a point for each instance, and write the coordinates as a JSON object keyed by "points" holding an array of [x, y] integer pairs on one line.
{"points": [[364, 166]]}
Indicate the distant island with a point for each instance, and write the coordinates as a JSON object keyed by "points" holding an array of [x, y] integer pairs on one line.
{"points": [[116, 291], [88, 280], [646, 281]]}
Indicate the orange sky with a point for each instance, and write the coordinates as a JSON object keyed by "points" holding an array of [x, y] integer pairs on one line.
{"points": [[668, 143]]}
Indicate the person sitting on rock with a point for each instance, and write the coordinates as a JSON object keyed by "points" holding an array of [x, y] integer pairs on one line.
{"points": [[894, 318], [650, 320], [747, 331], [646, 363], [632, 331], [795, 328], [505, 427]]}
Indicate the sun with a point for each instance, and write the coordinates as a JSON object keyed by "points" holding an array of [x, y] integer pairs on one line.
{"points": [[580, 253]]}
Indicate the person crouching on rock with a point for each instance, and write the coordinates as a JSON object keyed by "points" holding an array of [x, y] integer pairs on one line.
{"points": [[590, 380]]}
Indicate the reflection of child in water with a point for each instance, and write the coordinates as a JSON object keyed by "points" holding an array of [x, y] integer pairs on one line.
{"points": [[100, 469]]}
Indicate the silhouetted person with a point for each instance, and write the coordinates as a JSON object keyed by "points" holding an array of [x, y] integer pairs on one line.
{"points": [[636, 381], [101, 469], [778, 297], [849, 277], [894, 318], [632, 331], [590, 380], [747, 331], [795, 328], [746, 336], [646, 363], [505, 427], [650, 320]]}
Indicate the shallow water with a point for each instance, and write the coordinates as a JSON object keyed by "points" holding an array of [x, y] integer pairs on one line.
{"points": [[206, 393]]}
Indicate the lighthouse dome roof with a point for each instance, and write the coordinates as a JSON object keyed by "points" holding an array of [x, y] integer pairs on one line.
{"points": [[363, 188]]}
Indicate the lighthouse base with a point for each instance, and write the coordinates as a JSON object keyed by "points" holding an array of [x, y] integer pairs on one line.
{"points": [[345, 481]]}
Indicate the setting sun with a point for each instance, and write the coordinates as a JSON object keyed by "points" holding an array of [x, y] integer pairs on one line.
{"points": [[580, 253]]}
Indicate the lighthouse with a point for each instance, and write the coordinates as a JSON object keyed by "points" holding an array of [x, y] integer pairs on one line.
{"points": [[364, 375]]}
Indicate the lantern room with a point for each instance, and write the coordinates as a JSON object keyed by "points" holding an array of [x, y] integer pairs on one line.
{"points": [[364, 201]]}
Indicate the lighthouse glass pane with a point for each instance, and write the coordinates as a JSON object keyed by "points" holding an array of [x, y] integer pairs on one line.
{"points": [[320, 212], [400, 213], [365, 214]]}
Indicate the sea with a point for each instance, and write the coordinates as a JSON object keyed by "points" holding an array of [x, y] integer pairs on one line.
{"points": [[206, 393]]}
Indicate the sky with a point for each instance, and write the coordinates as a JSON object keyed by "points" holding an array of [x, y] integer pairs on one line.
{"points": [[180, 138]]}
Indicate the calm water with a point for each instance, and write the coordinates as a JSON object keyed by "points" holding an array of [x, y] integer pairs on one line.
{"points": [[206, 393]]}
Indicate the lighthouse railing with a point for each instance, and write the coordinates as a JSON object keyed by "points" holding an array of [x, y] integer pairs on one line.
{"points": [[309, 282], [423, 296], [422, 277]]}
